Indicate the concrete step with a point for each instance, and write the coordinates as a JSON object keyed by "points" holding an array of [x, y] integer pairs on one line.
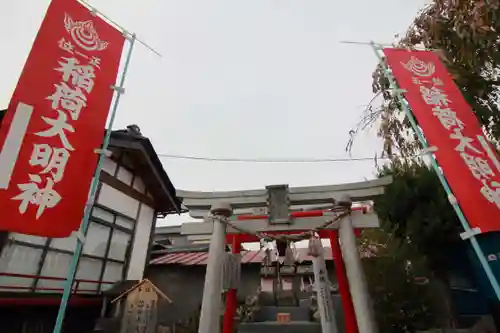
{"points": [[275, 327]]}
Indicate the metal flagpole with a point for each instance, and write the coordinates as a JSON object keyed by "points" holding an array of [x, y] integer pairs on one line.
{"points": [[469, 233], [94, 10], [93, 189]]}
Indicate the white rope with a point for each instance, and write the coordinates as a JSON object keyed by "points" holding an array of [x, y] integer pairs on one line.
{"points": [[291, 238]]}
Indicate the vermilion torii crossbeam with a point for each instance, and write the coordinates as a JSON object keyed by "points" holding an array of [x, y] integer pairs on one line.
{"points": [[283, 210], [360, 220], [245, 238]]}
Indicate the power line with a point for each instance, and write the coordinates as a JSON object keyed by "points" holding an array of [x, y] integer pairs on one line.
{"points": [[272, 160]]}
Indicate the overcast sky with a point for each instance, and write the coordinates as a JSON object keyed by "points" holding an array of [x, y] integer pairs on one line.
{"points": [[240, 78]]}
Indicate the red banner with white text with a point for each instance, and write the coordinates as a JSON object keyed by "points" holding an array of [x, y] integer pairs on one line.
{"points": [[55, 122], [469, 163]]}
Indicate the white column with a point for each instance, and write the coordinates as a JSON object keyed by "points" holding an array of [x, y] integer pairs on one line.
{"points": [[323, 292], [357, 282], [212, 291]]}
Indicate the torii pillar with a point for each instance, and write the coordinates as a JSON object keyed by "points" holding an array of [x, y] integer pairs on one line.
{"points": [[212, 291], [357, 281]]}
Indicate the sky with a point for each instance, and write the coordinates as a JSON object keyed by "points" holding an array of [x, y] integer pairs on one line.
{"points": [[240, 79]]}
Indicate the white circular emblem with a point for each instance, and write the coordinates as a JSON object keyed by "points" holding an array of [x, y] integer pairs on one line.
{"points": [[84, 34], [419, 68]]}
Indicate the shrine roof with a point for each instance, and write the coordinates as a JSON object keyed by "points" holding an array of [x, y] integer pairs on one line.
{"points": [[137, 285], [190, 258], [120, 287]]}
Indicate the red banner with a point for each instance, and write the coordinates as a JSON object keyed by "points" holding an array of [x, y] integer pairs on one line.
{"points": [[468, 161], [55, 122]]}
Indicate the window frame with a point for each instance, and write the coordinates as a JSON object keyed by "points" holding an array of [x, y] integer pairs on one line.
{"points": [[46, 248]]}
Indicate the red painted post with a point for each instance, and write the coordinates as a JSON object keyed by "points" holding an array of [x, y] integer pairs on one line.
{"points": [[345, 296], [231, 301]]}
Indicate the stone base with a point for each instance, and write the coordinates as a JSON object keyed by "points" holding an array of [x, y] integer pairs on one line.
{"points": [[275, 327]]}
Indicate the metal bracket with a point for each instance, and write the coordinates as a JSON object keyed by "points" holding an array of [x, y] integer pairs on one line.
{"points": [[79, 235], [398, 90], [278, 204], [470, 233], [129, 36], [119, 90], [452, 199], [104, 152], [428, 150]]}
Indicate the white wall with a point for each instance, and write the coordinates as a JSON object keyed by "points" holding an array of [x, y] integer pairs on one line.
{"points": [[118, 201], [16, 258], [141, 241], [21, 260]]}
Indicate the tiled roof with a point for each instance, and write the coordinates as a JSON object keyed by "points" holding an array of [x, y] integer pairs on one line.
{"points": [[247, 257]]}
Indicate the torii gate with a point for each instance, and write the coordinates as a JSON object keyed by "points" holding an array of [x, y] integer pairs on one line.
{"points": [[231, 217]]}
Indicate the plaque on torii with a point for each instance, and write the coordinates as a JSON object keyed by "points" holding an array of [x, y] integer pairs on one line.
{"points": [[280, 209]]}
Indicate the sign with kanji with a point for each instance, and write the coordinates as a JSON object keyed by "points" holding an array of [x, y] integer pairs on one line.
{"points": [[468, 161], [140, 310], [55, 122]]}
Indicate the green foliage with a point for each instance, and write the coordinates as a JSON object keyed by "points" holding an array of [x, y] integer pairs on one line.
{"points": [[418, 229], [416, 209], [465, 34], [398, 283], [417, 219]]}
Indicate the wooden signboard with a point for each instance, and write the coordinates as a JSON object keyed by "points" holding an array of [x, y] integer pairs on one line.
{"points": [[140, 308]]}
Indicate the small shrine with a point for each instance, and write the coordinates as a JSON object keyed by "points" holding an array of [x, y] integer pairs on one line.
{"points": [[281, 215], [138, 307]]}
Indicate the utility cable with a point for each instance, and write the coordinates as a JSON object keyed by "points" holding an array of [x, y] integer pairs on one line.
{"points": [[264, 160], [276, 160]]}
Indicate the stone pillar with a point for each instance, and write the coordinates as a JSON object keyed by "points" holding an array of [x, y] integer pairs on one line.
{"points": [[322, 286], [212, 291], [357, 281]]}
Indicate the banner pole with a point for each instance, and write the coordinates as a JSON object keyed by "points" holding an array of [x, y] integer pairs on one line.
{"points": [[104, 16], [463, 220], [93, 189]]}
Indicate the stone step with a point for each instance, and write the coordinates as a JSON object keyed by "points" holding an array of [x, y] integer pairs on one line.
{"points": [[275, 327], [269, 313], [297, 313]]}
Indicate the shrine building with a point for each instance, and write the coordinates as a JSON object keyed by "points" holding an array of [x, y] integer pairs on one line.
{"points": [[133, 193]]}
